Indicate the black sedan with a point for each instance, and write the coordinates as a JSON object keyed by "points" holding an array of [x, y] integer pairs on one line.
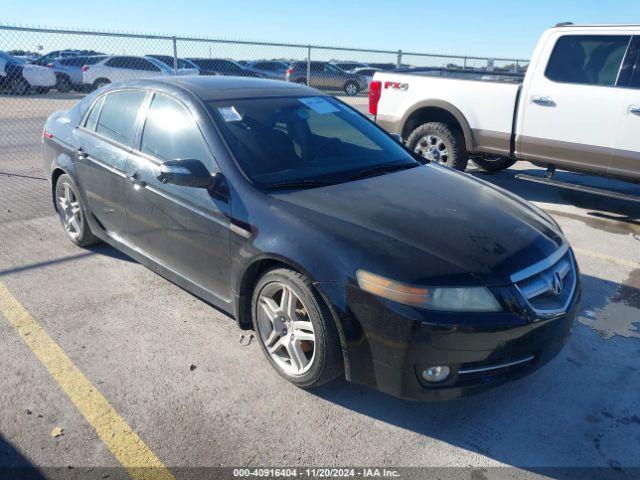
{"points": [[309, 224]]}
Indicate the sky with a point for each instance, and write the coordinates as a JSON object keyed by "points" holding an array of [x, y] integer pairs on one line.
{"points": [[469, 27]]}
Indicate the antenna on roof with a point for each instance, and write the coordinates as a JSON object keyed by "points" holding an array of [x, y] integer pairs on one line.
{"points": [[563, 24]]}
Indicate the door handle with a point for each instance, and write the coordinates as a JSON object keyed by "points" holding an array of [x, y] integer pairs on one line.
{"points": [[544, 101], [634, 109], [81, 153], [135, 179]]}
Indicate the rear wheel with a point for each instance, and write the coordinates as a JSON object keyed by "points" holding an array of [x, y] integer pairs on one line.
{"points": [[296, 331], [19, 86], [351, 88], [492, 163], [72, 212], [302, 81], [63, 84], [440, 143]]}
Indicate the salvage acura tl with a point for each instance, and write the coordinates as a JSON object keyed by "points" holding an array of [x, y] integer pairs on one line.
{"points": [[309, 224]]}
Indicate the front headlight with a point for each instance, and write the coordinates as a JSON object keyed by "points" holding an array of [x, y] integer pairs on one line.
{"points": [[452, 299]]}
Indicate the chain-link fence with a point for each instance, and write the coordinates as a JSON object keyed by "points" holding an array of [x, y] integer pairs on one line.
{"points": [[43, 70]]}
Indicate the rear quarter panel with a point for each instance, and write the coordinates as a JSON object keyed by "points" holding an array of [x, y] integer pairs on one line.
{"points": [[488, 107]]}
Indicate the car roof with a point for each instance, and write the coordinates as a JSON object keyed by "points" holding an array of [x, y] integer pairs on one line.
{"points": [[222, 87]]}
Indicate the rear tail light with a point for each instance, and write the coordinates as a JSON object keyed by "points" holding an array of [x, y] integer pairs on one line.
{"points": [[375, 92], [85, 68], [289, 72], [49, 65]]}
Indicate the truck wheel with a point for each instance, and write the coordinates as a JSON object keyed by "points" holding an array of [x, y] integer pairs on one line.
{"points": [[492, 163], [440, 143]]}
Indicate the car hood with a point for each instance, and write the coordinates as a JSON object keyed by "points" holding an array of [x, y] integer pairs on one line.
{"points": [[429, 225]]}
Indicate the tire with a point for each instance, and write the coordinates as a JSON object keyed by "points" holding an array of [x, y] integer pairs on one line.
{"points": [[66, 194], [441, 143], [301, 81], [63, 84], [19, 86], [492, 163], [323, 358], [351, 88], [101, 82]]}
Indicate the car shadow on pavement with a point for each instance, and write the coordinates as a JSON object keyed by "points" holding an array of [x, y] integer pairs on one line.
{"points": [[580, 410], [14, 465], [621, 210]]}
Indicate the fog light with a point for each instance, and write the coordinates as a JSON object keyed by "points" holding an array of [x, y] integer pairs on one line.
{"points": [[436, 374]]}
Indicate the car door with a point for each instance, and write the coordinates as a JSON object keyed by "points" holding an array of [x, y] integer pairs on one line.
{"points": [[570, 108], [625, 159], [184, 229], [104, 145]]}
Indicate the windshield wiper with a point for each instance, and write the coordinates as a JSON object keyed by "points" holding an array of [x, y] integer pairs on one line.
{"points": [[380, 169], [297, 184]]}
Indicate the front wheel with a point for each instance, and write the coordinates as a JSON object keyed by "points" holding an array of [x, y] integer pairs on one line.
{"points": [[63, 84], [440, 143], [492, 163], [72, 212], [295, 329]]}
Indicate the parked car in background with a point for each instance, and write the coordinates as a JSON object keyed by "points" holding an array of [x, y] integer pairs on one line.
{"points": [[185, 67], [412, 278], [117, 68], [577, 108], [384, 66], [221, 66], [20, 77], [68, 71], [23, 55], [44, 60], [349, 66], [366, 72], [274, 69], [326, 76]]}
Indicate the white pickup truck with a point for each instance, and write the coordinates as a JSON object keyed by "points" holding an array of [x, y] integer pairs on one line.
{"points": [[577, 108]]}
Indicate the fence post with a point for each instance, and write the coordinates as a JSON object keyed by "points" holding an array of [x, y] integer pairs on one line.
{"points": [[399, 60], [308, 65], [515, 67], [175, 55], [464, 66]]}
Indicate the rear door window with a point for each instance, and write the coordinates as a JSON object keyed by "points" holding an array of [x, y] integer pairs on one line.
{"points": [[587, 59], [118, 116], [92, 118]]}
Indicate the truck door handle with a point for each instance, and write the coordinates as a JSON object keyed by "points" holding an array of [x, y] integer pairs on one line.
{"points": [[635, 109], [544, 101], [81, 153], [135, 178]]}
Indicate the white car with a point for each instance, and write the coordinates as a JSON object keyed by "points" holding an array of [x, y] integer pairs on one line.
{"points": [[122, 67], [20, 77], [577, 108]]}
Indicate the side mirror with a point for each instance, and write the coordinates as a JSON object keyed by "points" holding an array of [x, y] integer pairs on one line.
{"points": [[186, 173], [397, 137]]}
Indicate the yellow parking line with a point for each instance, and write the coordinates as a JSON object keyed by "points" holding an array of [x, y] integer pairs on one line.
{"points": [[607, 258], [124, 443]]}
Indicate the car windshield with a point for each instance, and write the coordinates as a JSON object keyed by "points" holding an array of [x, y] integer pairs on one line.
{"points": [[299, 140], [161, 65]]}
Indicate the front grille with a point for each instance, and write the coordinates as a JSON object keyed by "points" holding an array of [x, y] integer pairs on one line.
{"points": [[549, 285]]}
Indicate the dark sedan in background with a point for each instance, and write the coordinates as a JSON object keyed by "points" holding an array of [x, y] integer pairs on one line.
{"points": [[308, 223], [326, 76], [220, 66]]}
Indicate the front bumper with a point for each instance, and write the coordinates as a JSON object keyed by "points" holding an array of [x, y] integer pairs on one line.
{"points": [[482, 350]]}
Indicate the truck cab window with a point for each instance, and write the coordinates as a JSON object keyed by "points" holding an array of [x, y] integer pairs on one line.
{"points": [[587, 59]]}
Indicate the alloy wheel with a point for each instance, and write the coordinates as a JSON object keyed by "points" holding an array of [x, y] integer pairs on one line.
{"points": [[433, 148], [285, 329], [70, 211], [351, 89]]}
